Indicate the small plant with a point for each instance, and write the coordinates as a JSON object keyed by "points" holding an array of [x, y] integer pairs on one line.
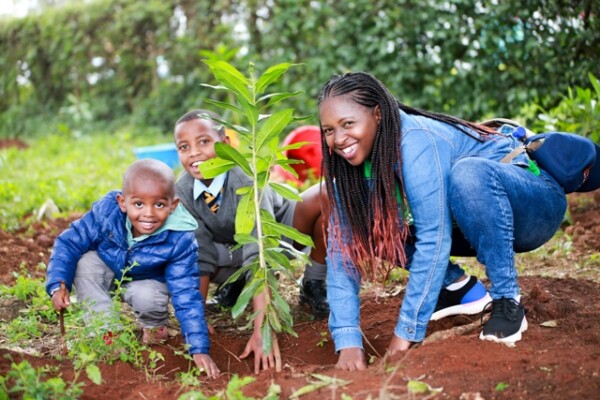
{"points": [[233, 391], [501, 386], [321, 381], [34, 306], [324, 336], [259, 153], [32, 383], [112, 335]]}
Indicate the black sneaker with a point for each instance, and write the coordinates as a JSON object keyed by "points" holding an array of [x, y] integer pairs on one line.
{"points": [[506, 322], [314, 293], [226, 295], [470, 299]]}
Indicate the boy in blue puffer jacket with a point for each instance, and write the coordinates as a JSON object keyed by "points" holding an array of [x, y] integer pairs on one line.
{"points": [[142, 228]]}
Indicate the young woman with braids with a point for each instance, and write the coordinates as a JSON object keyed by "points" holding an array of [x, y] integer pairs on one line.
{"points": [[386, 163]]}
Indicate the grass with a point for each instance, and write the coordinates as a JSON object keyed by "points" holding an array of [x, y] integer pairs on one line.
{"points": [[72, 171]]}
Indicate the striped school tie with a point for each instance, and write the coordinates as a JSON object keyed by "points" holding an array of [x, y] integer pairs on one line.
{"points": [[211, 201]]}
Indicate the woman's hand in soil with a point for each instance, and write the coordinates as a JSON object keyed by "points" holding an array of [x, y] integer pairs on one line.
{"points": [[60, 299], [352, 359], [398, 345], [207, 365]]}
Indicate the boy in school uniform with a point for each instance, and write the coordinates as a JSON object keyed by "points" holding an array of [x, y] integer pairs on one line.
{"points": [[213, 203]]}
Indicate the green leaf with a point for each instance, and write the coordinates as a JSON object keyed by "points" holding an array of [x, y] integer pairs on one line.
{"points": [[275, 98], [230, 77], [417, 387], [244, 190], [244, 298], [227, 152], [93, 373], [215, 166], [294, 146], [266, 338], [273, 127], [250, 111], [290, 232], [244, 238], [219, 87], [245, 215], [286, 191], [275, 258], [221, 104], [271, 75], [501, 386]]}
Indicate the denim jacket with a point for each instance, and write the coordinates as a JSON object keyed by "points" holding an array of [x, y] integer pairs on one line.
{"points": [[429, 150]]}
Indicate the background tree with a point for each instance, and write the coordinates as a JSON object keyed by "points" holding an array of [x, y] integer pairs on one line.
{"points": [[139, 63]]}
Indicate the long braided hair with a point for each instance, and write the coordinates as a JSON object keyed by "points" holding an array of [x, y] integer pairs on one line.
{"points": [[375, 215]]}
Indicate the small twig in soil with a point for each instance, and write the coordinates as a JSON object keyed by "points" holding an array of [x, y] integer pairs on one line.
{"points": [[455, 331], [61, 322], [230, 353], [371, 346]]}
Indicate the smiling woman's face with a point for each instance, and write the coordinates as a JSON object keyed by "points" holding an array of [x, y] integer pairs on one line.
{"points": [[349, 127]]}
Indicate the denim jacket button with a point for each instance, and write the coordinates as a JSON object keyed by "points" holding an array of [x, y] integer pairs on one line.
{"points": [[409, 330]]}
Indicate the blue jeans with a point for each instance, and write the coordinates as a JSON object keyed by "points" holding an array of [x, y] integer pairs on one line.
{"points": [[501, 208]]}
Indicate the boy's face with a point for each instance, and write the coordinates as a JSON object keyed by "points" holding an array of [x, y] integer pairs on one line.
{"points": [[195, 141], [147, 205]]}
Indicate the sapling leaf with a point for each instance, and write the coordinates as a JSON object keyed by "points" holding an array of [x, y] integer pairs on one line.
{"points": [[215, 166], [216, 87], [244, 298], [249, 111], [286, 191], [271, 75], [290, 232], [227, 152], [230, 77], [302, 118], [275, 258], [273, 126], [267, 340], [221, 104], [294, 146], [245, 215], [275, 98], [274, 320], [244, 238]]}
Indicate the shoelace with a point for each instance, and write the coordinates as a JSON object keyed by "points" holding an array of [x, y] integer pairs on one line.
{"points": [[503, 308]]}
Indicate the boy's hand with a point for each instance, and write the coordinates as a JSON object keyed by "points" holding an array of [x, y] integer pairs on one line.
{"points": [[207, 365], [255, 343], [260, 358], [60, 299]]}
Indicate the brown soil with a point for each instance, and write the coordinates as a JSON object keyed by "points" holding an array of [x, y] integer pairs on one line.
{"points": [[558, 358]]}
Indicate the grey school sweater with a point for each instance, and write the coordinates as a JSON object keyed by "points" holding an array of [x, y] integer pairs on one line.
{"points": [[220, 227]]}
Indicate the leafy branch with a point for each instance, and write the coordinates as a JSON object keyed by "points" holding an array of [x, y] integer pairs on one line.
{"points": [[258, 152]]}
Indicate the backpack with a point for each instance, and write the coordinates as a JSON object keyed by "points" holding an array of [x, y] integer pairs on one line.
{"points": [[572, 160]]}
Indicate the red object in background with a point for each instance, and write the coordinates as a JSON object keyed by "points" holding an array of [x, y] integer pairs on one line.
{"points": [[310, 153]]}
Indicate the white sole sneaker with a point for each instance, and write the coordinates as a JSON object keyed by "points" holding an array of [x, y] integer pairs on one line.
{"points": [[474, 307], [509, 340]]}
